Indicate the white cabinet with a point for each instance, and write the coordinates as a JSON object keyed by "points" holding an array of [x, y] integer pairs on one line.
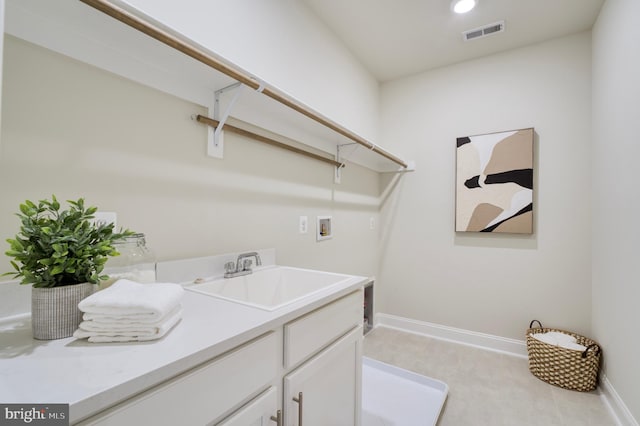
{"points": [[262, 411], [319, 358], [323, 362], [326, 389]]}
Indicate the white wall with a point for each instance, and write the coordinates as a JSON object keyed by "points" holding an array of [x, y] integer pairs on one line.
{"points": [[616, 200], [285, 44], [72, 130], [1, 48], [491, 283]]}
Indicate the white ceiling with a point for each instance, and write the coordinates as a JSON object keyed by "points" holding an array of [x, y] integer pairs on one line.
{"points": [[395, 38]]}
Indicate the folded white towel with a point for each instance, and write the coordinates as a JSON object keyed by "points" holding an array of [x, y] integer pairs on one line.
{"points": [[557, 338], [554, 337], [120, 319], [134, 301], [124, 320], [574, 346], [139, 335], [129, 326]]}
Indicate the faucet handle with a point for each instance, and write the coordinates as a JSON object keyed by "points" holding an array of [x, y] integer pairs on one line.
{"points": [[229, 267]]}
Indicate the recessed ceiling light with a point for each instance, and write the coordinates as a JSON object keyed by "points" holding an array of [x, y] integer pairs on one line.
{"points": [[463, 6]]}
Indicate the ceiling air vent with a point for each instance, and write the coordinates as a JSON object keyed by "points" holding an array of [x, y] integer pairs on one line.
{"points": [[485, 31]]}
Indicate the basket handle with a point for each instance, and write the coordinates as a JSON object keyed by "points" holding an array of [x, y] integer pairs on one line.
{"points": [[593, 345], [531, 324]]}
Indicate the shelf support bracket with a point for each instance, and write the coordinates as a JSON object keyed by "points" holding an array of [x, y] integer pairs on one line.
{"points": [[215, 139], [342, 160]]}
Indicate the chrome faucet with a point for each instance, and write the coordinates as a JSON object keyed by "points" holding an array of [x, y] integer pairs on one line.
{"points": [[242, 265]]}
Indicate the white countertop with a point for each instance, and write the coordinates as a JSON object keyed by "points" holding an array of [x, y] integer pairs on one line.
{"points": [[91, 377]]}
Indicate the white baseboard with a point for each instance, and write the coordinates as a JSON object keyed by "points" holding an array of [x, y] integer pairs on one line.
{"points": [[616, 405], [456, 335], [499, 344]]}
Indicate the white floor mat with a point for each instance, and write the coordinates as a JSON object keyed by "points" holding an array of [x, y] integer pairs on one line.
{"points": [[392, 396]]}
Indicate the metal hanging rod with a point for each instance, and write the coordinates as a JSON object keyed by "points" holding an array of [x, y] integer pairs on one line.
{"points": [[237, 130], [208, 59]]}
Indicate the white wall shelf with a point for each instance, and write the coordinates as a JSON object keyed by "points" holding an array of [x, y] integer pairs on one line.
{"points": [[86, 34]]}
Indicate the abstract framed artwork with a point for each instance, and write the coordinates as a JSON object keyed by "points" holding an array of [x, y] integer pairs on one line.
{"points": [[494, 182]]}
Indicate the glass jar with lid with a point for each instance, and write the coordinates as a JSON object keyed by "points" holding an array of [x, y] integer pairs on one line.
{"points": [[135, 262]]}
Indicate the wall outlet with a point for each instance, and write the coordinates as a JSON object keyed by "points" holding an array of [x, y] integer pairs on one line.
{"points": [[304, 224], [372, 223], [105, 218]]}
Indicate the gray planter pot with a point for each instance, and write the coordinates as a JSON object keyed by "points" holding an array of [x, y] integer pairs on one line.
{"points": [[54, 311]]}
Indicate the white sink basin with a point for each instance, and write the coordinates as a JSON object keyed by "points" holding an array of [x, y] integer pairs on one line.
{"points": [[271, 288]]}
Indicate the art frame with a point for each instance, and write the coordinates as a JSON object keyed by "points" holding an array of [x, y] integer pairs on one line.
{"points": [[494, 182]]}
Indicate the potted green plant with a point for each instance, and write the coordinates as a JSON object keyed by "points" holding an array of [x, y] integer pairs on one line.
{"points": [[62, 254]]}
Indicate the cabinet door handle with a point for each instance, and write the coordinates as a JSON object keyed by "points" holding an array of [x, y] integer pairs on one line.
{"points": [[277, 418], [299, 401]]}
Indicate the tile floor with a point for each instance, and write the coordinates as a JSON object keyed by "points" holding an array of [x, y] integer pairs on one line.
{"points": [[486, 388]]}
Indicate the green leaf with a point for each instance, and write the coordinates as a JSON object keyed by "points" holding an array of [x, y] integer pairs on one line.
{"points": [[45, 262], [58, 247], [58, 269], [16, 244]]}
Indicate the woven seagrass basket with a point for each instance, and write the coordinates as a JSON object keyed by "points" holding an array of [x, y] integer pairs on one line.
{"points": [[567, 368]]}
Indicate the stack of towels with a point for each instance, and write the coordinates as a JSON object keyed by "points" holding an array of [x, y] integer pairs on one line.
{"points": [[557, 338], [128, 311]]}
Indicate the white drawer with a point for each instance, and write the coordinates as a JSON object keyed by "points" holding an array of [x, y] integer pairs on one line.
{"points": [[203, 394], [312, 332]]}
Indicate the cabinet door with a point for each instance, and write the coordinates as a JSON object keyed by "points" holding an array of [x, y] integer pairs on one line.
{"points": [[326, 389], [257, 412]]}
